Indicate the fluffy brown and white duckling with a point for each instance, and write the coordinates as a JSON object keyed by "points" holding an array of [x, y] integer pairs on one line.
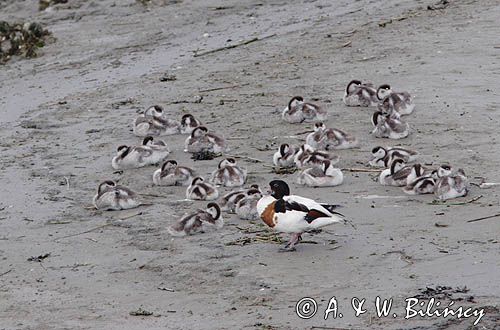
{"points": [[171, 174], [396, 174], [246, 208], [228, 201], [358, 94], [133, 157], [423, 180], [229, 174], [387, 127], [154, 122], [299, 111], [294, 214], [417, 171], [113, 197], [284, 157], [201, 190], [390, 102], [306, 156], [335, 139], [316, 138], [321, 176], [383, 156], [203, 140], [452, 186], [159, 148], [198, 221], [189, 123], [420, 186]]}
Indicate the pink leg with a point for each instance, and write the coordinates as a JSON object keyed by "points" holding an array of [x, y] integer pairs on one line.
{"points": [[291, 244]]}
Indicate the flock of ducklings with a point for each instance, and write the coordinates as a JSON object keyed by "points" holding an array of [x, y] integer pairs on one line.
{"points": [[315, 159]]}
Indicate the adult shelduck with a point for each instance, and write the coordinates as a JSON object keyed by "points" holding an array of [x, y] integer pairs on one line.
{"points": [[294, 214]]}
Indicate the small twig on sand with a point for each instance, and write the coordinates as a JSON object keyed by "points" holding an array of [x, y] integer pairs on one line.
{"points": [[130, 216], [237, 138], [469, 201], [347, 44], [439, 202], [484, 218], [219, 88], [163, 288], [6, 272], [304, 132], [196, 54], [152, 195], [84, 232], [369, 170], [255, 160]]}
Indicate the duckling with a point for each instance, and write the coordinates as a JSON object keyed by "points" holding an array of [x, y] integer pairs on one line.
{"points": [[417, 171], [294, 214], [324, 176], [336, 139], [395, 175], [382, 157], [302, 153], [133, 157], [299, 111], [199, 221], [158, 147], [307, 156], [391, 102], [423, 181], [171, 174], [229, 174], [420, 186], [358, 94], [452, 186], [284, 157], [154, 122], [246, 208], [112, 197], [189, 123], [228, 201], [443, 170], [203, 140], [201, 190], [387, 127], [317, 158], [316, 139]]}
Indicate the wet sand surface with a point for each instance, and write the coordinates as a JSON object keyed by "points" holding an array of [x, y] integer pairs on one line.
{"points": [[65, 112]]}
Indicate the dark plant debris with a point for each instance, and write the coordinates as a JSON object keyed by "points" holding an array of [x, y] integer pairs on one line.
{"points": [[445, 292], [284, 170], [141, 312], [39, 258], [442, 4], [21, 39], [168, 77], [44, 4], [205, 155]]}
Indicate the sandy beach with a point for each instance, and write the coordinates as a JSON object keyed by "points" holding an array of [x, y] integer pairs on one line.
{"points": [[235, 65]]}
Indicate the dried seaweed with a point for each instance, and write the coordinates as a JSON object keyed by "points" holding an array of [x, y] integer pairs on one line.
{"points": [[260, 238], [205, 155], [141, 312], [444, 292], [284, 170], [39, 258], [44, 4], [21, 39]]}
